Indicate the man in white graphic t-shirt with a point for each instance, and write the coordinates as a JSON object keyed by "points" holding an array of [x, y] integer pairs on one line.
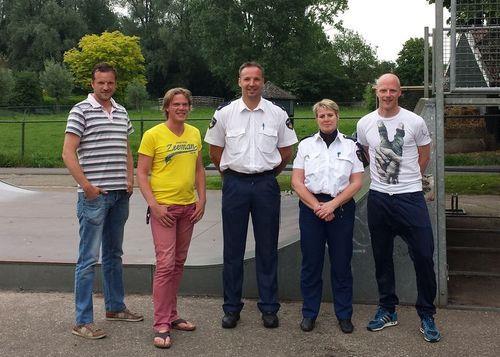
{"points": [[398, 144]]}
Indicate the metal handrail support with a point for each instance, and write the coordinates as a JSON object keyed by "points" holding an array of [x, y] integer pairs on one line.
{"points": [[426, 62], [453, 45]]}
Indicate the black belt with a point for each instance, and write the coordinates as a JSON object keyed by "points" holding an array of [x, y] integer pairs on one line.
{"points": [[323, 197], [241, 174]]}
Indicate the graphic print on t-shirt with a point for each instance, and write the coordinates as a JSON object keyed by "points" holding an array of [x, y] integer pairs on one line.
{"points": [[388, 154], [179, 148]]}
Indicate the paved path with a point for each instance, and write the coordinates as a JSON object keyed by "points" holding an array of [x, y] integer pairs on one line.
{"points": [[38, 324]]}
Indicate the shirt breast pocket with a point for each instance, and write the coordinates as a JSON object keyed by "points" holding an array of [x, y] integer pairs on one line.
{"points": [[235, 141], [312, 164], [343, 168], [268, 140]]}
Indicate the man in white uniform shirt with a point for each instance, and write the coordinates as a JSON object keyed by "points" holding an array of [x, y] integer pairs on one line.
{"points": [[398, 144], [250, 143]]}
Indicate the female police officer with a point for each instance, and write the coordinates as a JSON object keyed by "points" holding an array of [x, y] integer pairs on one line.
{"points": [[326, 175]]}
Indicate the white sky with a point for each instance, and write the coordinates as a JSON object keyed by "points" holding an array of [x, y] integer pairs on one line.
{"points": [[387, 24]]}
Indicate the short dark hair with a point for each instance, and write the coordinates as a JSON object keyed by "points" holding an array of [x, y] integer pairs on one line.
{"points": [[103, 67], [251, 64]]}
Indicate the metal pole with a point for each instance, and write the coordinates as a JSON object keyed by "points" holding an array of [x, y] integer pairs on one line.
{"points": [[453, 45], [439, 142], [142, 126], [426, 62], [23, 127], [433, 62]]}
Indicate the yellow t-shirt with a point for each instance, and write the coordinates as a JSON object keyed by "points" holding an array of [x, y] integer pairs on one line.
{"points": [[174, 163]]}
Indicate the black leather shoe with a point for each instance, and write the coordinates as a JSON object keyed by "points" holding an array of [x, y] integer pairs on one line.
{"points": [[307, 324], [270, 320], [346, 326], [230, 319]]}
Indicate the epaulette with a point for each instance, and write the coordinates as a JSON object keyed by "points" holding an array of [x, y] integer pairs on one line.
{"points": [[305, 137], [279, 105], [225, 104]]}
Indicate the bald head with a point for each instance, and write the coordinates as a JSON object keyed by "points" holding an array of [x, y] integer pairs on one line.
{"points": [[388, 91], [388, 78]]}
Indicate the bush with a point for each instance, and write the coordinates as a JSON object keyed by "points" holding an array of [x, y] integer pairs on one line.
{"points": [[57, 81], [369, 98], [6, 86], [136, 95], [27, 90]]}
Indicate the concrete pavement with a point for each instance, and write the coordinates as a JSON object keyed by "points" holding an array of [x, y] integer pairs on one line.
{"points": [[38, 324]]}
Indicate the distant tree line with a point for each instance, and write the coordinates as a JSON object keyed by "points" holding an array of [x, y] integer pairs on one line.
{"points": [[198, 44]]}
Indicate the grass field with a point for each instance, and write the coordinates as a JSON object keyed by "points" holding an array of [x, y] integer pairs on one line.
{"points": [[44, 133], [464, 184]]}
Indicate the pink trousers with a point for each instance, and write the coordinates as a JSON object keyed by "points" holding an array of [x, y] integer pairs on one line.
{"points": [[171, 248]]}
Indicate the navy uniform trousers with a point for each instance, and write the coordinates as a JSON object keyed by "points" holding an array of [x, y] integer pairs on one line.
{"points": [[315, 233], [257, 195], [405, 215]]}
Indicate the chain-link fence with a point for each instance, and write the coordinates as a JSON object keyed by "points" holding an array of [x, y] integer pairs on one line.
{"points": [[471, 49]]}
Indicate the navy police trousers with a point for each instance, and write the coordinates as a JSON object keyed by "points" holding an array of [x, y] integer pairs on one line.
{"points": [[259, 196], [315, 233]]}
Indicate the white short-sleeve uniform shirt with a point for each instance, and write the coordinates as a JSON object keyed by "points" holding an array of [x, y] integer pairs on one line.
{"points": [[393, 147], [327, 169], [250, 138]]}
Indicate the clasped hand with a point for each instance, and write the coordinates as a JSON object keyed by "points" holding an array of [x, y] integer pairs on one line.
{"points": [[324, 210]]}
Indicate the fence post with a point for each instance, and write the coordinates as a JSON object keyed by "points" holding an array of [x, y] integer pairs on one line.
{"points": [[142, 126], [23, 128]]}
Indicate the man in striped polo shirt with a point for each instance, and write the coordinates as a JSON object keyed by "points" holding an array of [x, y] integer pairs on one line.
{"points": [[97, 153]]}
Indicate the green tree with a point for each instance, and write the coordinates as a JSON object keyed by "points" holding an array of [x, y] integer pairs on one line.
{"points": [[135, 95], [6, 86], [98, 15], [385, 67], [283, 35], [56, 80], [27, 90], [410, 62], [37, 30], [359, 61], [123, 52]]}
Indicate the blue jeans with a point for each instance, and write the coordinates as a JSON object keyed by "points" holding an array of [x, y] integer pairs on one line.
{"points": [[102, 221]]}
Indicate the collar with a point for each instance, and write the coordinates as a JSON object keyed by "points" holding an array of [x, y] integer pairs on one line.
{"points": [[340, 137], [96, 104], [242, 106]]}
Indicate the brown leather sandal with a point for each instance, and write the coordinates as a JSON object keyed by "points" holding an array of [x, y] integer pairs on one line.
{"points": [[188, 326], [164, 336]]}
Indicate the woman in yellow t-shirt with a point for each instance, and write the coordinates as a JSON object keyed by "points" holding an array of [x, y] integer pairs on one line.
{"points": [[171, 152]]}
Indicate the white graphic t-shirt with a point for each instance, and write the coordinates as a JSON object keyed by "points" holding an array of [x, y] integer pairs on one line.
{"points": [[393, 150]]}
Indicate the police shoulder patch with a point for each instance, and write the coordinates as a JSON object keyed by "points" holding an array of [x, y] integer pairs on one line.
{"points": [[289, 123], [212, 123]]}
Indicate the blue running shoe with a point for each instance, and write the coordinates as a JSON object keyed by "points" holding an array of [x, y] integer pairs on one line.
{"points": [[429, 329], [382, 319]]}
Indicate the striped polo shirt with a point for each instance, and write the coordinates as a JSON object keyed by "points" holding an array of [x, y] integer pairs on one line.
{"points": [[102, 152]]}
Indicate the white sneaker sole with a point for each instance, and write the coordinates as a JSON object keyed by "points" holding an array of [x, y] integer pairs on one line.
{"points": [[387, 324], [428, 340]]}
